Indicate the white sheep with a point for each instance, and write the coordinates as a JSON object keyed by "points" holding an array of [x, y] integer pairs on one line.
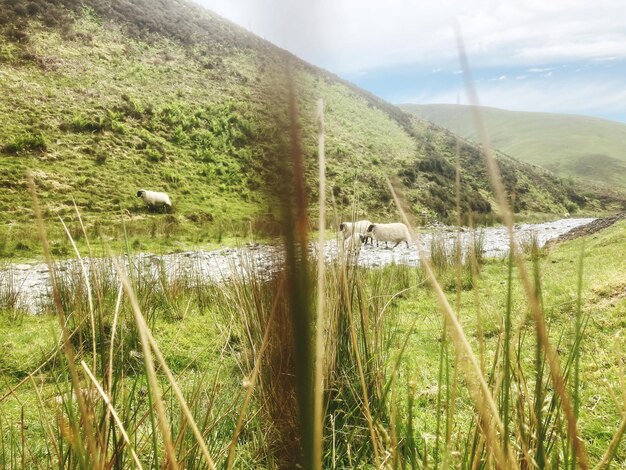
{"points": [[395, 232], [155, 199], [359, 227]]}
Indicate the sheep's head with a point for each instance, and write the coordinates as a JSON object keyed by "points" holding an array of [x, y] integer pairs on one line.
{"points": [[341, 226], [370, 228], [140, 193]]}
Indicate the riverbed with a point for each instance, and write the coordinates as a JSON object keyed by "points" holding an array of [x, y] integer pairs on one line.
{"points": [[31, 281]]}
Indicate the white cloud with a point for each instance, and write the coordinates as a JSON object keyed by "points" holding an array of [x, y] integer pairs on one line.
{"points": [[527, 39], [575, 97], [350, 35], [604, 59]]}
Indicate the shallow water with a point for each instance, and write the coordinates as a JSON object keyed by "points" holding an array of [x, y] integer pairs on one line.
{"points": [[31, 280]]}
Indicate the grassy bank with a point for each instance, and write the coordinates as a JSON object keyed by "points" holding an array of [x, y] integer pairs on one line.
{"points": [[384, 340]]}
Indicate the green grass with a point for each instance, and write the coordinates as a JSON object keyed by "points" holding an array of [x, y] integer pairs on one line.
{"points": [[209, 335], [586, 148]]}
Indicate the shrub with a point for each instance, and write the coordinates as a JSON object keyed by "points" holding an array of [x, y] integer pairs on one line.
{"points": [[29, 141], [80, 123], [200, 216], [16, 34], [153, 155]]}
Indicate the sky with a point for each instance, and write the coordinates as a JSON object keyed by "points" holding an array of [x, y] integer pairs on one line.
{"points": [[563, 56]]}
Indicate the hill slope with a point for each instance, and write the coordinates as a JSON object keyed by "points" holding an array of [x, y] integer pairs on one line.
{"points": [[104, 100], [583, 147]]}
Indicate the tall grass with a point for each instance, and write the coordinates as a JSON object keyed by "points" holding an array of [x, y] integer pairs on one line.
{"points": [[370, 404], [11, 304]]}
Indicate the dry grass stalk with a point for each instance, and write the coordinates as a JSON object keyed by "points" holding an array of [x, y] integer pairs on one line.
{"points": [[299, 285], [459, 267], [610, 451], [535, 306], [318, 413], [109, 372], [620, 372]]}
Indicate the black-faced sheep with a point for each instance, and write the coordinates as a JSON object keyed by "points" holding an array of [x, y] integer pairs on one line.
{"points": [[359, 227], [395, 232], [155, 199]]}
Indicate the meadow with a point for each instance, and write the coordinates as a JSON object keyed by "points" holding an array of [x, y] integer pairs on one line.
{"points": [[396, 393]]}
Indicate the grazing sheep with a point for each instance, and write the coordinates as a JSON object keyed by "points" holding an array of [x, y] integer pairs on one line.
{"points": [[359, 227], [395, 232], [155, 199]]}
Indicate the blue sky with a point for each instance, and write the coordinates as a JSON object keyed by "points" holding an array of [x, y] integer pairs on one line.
{"points": [[565, 56], [584, 87]]}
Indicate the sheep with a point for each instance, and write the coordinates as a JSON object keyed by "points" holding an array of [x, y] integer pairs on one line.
{"points": [[395, 232], [155, 199], [359, 227]]}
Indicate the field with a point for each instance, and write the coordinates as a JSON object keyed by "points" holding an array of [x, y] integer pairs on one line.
{"points": [[395, 392]]}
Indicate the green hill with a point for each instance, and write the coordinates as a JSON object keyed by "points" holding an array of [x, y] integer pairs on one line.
{"points": [[101, 99], [588, 148]]}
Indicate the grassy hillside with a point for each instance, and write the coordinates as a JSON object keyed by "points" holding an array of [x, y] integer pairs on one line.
{"points": [[583, 147], [101, 101]]}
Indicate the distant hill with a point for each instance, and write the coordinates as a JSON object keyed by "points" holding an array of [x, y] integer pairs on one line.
{"points": [[101, 99], [583, 147]]}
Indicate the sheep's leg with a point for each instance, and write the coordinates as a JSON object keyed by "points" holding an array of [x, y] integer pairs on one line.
{"points": [[397, 243], [407, 243]]}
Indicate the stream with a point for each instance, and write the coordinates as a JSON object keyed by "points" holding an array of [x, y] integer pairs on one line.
{"points": [[30, 282]]}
